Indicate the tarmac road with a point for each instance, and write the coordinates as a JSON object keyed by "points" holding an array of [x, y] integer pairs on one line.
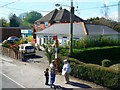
{"points": [[30, 74], [7, 82]]}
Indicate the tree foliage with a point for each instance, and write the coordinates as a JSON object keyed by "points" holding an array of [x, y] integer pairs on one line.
{"points": [[32, 17], [14, 20], [29, 18], [3, 22]]}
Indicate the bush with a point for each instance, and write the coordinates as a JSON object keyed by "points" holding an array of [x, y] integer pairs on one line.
{"points": [[50, 50], [95, 55], [106, 63], [96, 41], [94, 73]]}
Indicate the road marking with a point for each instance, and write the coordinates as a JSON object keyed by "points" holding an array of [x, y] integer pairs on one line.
{"points": [[12, 80]]}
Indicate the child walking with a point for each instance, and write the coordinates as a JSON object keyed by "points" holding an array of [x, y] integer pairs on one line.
{"points": [[46, 74]]}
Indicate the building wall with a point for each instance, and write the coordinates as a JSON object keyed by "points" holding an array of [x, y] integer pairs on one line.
{"points": [[62, 39], [8, 31]]}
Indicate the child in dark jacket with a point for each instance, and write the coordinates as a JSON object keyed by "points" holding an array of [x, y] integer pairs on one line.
{"points": [[46, 74]]}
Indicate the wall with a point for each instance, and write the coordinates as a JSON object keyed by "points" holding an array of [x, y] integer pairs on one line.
{"points": [[60, 39], [9, 31]]}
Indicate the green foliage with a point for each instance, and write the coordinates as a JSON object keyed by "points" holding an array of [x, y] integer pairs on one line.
{"points": [[25, 24], [3, 22], [22, 41], [29, 18], [106, 63], [94, 73], [95, 55], [50, 51], [9, 45], [32, 16], [96, 41], [6, 44], [14, 21]]}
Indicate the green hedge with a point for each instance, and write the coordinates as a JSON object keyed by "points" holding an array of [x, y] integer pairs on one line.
{"points": [[106, 63], [95, 55], [97, 41], [95, 73]]}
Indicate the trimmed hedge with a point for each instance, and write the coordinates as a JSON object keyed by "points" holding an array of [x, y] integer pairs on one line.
{"points": [[106, 63], [95, 73], [97, 41], [95, 55]]}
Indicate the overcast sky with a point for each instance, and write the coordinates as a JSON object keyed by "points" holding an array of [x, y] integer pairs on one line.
{"points": [[86, 8]]}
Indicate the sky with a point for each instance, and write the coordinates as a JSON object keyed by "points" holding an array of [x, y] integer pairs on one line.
{"points": [[86, 8]]}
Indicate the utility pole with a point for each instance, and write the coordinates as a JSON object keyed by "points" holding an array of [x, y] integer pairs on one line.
{"points": [[119, 11], [71, 27]]}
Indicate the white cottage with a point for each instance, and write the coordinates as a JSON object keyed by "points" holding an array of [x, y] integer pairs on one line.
{"points": [[62, 30]]}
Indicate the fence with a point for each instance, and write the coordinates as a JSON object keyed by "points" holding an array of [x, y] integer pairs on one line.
{"points": [[11, 53]]}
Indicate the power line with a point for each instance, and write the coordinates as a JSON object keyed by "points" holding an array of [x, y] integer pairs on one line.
{"points": [[48, 11], [15, 8], [8, 3], [97, 7], [23, 9]]}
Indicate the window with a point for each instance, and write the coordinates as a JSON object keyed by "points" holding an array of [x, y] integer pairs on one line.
{"points": [[64, 40], [46, 24], [29, 47], [64, 37], [45, 39]]}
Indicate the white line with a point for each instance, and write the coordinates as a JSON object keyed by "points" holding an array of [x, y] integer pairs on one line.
{"points": [[12, 80]]}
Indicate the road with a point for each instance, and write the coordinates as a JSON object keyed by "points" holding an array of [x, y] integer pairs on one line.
{"points": [[27, 74], [7, 82], [31, 74]]}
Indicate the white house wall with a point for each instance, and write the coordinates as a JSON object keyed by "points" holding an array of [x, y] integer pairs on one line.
{"points": [[38, 37], [62, 39]]}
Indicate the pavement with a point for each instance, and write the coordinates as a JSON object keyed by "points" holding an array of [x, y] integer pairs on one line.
{"points": [[31, 74]]}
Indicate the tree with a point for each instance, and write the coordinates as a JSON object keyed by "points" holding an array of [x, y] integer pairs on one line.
{"points": [[23, 15], [32, 17], [3, 23], [14, 21], [29, 18]]}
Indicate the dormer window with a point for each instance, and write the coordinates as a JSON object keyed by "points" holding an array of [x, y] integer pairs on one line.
{"points": [[46, 24]]}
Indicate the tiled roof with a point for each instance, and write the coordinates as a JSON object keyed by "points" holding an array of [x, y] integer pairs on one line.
{"points": [[99, 30], [78, 29], [64, 29], [62, 15], [49, 17]]}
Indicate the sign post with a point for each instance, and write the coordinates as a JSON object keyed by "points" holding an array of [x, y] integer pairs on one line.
{"points": [[56, 51]]}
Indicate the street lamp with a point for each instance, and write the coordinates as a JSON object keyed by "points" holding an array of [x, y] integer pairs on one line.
{"points": [[71, 24]]}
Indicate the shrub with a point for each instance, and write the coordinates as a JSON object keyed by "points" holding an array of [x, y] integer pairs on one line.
{"points": [[100, 75], [50, 50], [96, 41], [6, 44], [95, 55], [106, 63]]}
